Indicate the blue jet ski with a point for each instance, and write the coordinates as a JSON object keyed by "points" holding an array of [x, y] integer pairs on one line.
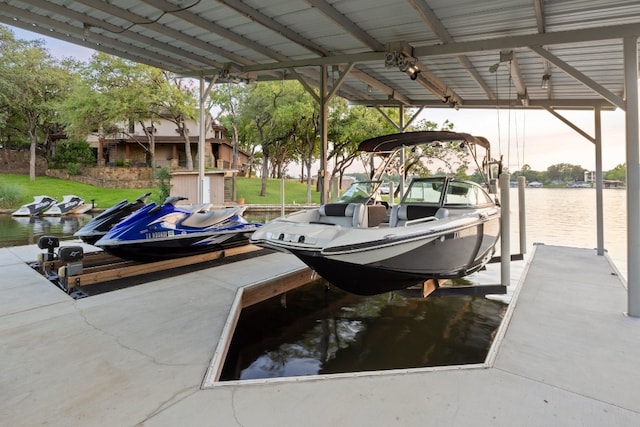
{"points": [[166, 231], [98, 226]]}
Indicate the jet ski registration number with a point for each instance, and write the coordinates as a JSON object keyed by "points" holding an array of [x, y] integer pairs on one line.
{"points": [[159, 234]]}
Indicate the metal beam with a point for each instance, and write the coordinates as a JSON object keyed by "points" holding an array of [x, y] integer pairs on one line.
{"points": [[512, 42], [346, 24], [571, 125], [590, 83], [75, 35], [163, 30], [257, 16], [380, 87], [428, 15], [557, 104], [316, 61], [214, 28]]}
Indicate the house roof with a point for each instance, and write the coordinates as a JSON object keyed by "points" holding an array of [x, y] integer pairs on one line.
{"points": [[469, 53]]}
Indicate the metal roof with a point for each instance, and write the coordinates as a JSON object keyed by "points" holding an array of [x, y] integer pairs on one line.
{"points": [[455, 45]]}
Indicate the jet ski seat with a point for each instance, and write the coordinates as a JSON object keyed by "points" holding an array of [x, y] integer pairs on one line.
{"points": [[212, 217]]}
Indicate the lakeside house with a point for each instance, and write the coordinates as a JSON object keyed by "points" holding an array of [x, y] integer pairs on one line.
{"points": [[128, 144]]}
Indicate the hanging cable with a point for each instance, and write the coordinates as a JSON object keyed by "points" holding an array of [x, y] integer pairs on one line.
{"points": [[515, 125], [524, 133], [509, 123], [153, 21], [498, 111]]}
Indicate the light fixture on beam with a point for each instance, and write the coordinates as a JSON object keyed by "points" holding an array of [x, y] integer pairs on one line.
{"points": [[545, 81], [413, 71], [408, 65]]}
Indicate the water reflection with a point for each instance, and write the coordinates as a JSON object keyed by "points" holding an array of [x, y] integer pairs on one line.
{"points": [[20, 230], [15, 231], [322, 330]]}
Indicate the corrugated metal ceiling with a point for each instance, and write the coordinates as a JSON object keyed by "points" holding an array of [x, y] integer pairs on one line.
{"points": [[453, 43]]}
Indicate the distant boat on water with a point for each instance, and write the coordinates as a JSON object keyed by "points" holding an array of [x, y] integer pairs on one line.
{"points": [[37, 207]]}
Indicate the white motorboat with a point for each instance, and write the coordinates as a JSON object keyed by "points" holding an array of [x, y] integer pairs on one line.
{"points": [[442, 228]]}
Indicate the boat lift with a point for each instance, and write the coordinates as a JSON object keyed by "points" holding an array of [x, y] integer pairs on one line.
{"points": [[432, 287], [70, 268]]}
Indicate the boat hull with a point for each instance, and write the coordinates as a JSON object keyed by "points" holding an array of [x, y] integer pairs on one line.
{"points": [[386, 259], [155, 233], [176, 247]]}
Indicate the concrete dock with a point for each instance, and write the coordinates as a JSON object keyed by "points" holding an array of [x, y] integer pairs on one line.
{"points": [[566, 355]]}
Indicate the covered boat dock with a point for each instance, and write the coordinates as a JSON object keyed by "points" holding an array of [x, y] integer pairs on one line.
{"points": [[564, 355], [556, 55]]}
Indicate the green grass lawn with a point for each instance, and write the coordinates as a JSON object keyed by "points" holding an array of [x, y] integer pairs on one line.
{"points": [[16, 190], [294, 192]]}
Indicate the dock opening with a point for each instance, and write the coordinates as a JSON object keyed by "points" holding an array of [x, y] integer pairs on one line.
{"points": [[298, 327]]}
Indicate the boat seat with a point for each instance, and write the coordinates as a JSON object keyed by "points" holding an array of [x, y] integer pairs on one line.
{"points": [[400, 214], [345, 214], [376, 214], [208, 218]]}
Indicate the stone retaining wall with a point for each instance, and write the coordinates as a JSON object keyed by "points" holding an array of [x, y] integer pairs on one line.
{"points": [[109, 177], [17, 161]]}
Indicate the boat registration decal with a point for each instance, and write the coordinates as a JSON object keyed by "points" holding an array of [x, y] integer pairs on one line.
{"points": [[159, 234]]}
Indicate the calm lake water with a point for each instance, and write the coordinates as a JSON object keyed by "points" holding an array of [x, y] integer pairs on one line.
{"points": [[564, 217], [319, 329]]}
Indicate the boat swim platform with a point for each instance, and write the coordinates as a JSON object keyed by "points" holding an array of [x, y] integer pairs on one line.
{"points": [[566, 355]]}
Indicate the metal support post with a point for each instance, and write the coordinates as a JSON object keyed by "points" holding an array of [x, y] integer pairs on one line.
{"points": [[599, 195], [324, 144], [522, 215], [505, 231], [630, 48], [201, 138]]}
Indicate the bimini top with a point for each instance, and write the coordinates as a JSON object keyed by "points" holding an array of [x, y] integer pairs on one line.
{"points": [[389, 143]]}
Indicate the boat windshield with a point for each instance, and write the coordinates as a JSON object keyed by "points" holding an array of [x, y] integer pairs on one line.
{"points": [[425, 191], [359, 192], [457, 193]]}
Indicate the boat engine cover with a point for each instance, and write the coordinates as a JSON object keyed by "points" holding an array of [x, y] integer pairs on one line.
{"points": [[71, 253]]}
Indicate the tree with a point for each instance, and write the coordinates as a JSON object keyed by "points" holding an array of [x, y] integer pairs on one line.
{"points": [[619, 173], [176, 103], [33, 84], [229, 99], [269, 123], [348, 127], [529, 174], [116, 90], [565, 172]]}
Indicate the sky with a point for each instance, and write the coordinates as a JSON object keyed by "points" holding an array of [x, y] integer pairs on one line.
{"points": [[532, 137]]}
